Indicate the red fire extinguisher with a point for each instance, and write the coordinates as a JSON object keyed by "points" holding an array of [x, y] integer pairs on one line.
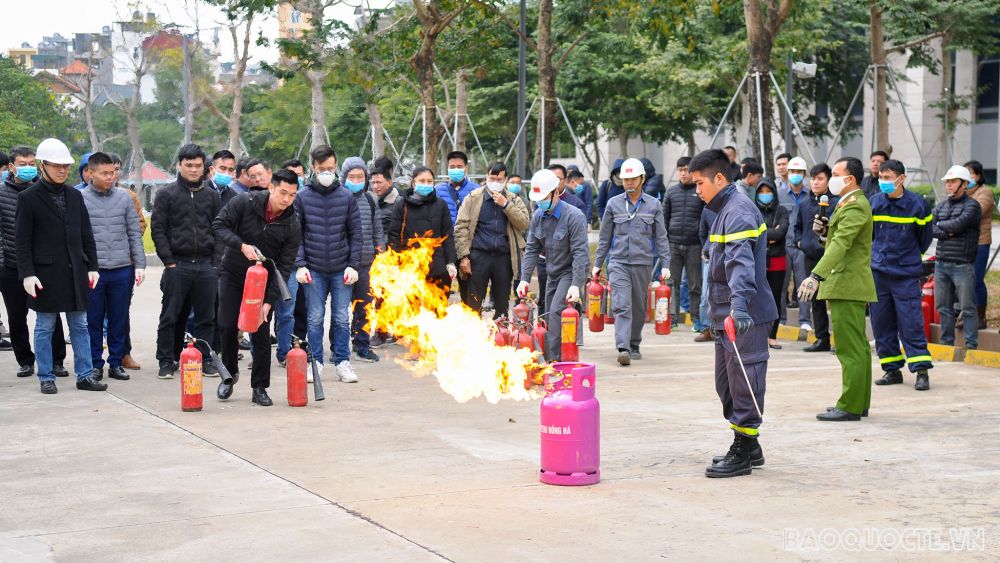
{"points": [[570, 319], [502, 335], [522, 312], [191, 374], [595, 299], [253, 298], [662, 308], [927, 306], [609, 313], [295, 364], [520, 337], [538, 337]]}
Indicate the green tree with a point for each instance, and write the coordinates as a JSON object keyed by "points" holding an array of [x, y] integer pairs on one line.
{"points": [[29, 111]]}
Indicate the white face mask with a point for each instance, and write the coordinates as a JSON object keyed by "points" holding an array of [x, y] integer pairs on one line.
{"points": [[326, 179], [494, 186], [837, 185]]}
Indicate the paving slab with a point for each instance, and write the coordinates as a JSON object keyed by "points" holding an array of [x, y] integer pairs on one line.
{"points": [[392, 468]]}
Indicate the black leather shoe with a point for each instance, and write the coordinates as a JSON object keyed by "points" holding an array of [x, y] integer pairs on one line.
{"points": [[818, 346], [88, 384], [167, 370], [837, 415], [225, 390], [26, 370], [59, 371], [117, 373], [5, 345], [49, 388], [97, 374], [863, 413], [923, 382], [260, 397], [891, 377], [736, 462], [756, 455]]}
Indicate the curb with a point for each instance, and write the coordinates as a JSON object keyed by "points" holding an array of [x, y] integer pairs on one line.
{"points": [[983, 358]]}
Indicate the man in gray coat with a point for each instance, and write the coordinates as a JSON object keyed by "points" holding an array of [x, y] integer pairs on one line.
{"points": [[632, 237], [121, 262]]}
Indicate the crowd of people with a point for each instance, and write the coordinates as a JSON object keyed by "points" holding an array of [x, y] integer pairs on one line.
{"points": [[851, 245]]}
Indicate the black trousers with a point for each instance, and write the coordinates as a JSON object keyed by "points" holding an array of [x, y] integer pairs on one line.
{"points": [[493, 271], [543, 280], [776, 281], [685, 257], [301, 328], [194, 281], [15, 299], [820, 318], [230, 300]]}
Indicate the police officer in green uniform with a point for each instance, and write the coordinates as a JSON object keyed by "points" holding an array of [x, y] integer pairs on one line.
{"points": [[843, 278]]}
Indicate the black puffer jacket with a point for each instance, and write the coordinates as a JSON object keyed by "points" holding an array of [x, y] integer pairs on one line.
{"points": [[415, 216], [244, 221], [682, 214], [182, 223], [956, 226], [776, 219], [8, 209], [805, 239]]}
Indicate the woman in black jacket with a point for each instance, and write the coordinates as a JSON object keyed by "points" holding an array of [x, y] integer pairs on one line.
{"points": [[420, 213], [776, 219]]}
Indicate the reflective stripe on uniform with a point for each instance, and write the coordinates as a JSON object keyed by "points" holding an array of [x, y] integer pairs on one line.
{"points": [[903, 220], [916, 359], [746, 431], [898, 358], [733, 237]]}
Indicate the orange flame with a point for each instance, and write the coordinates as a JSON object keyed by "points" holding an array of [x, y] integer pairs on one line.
{"points": [[449, 340]]}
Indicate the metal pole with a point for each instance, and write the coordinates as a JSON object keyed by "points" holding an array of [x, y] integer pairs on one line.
{"points": [[790, 100], [875, 108], [188, 106], [760, 122], [729, 109], [522, 79], [454, 138], [847, 116], [906, 114], [794, 124], [947, 135]]}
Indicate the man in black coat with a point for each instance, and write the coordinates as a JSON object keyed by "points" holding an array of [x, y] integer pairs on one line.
{"points": [[182, 233], [261, 223], [57, 262]]}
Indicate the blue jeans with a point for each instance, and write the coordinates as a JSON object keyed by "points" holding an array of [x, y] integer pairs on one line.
{"points": [[45, 324], [706, 323], [284, 315], [108, 303], [953, 280], [322, 286], [982, 257], [685, 297]]}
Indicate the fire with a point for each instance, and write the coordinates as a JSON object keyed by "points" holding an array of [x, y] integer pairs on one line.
{"points": [[449, 340]]}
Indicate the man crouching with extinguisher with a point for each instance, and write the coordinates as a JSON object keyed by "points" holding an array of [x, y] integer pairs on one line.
{"points": [[259, 226]]}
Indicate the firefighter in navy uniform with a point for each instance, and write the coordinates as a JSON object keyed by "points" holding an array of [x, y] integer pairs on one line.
{"points": [[902, 234], [737, 288]]}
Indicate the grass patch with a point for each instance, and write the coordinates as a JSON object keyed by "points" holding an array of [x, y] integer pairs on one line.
{"points": [[147, 241], [993, 305]]}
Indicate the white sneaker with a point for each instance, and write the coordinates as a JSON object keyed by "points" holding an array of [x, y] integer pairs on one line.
{"points": [[309, 372], [346, 372], [806, 326]]}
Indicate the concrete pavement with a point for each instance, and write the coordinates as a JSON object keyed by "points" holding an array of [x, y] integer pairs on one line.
{"points": [[392, 468]]}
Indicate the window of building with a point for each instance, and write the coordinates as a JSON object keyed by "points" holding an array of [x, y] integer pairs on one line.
{"points": [[296, 16], [987, 88]]}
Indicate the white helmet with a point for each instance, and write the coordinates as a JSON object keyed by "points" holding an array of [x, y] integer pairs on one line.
{"points": [[632, 168], [53, 151], [957, 172], [543, 183], [797, 163]]}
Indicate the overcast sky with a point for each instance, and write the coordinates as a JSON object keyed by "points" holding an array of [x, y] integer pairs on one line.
{"points": [[47, 17]]}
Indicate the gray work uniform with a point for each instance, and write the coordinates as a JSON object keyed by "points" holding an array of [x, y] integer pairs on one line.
{"points": [[632, 237], [561, 236]]}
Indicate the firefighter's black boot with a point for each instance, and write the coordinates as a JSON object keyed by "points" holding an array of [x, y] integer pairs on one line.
{"points": [[737, 461], [891, 377]]}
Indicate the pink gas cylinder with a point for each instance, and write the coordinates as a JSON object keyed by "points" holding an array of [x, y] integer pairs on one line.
{"points": [[570, 426]]}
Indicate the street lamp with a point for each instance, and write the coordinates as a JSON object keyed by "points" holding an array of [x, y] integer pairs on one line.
{"points": [[801, 70]]}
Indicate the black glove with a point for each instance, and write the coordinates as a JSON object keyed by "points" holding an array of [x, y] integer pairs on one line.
{"points": [[742, 320]]}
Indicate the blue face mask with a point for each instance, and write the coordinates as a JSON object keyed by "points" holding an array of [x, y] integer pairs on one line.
{"points": [[423, 190], [766, 199], [887, 186], [545, 205], [26, 173], [3, 175], [456, 174], [514, 188], [301, 182], [578, 190], [221, 179], [972, 184], [355, 187], [795, 178]]}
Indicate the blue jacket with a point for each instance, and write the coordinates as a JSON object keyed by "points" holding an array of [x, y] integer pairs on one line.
{"points": [[331, 229], [586, 195], [737, 264], [902, 234], [447, 192], [805, 239], [609, 189]]}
